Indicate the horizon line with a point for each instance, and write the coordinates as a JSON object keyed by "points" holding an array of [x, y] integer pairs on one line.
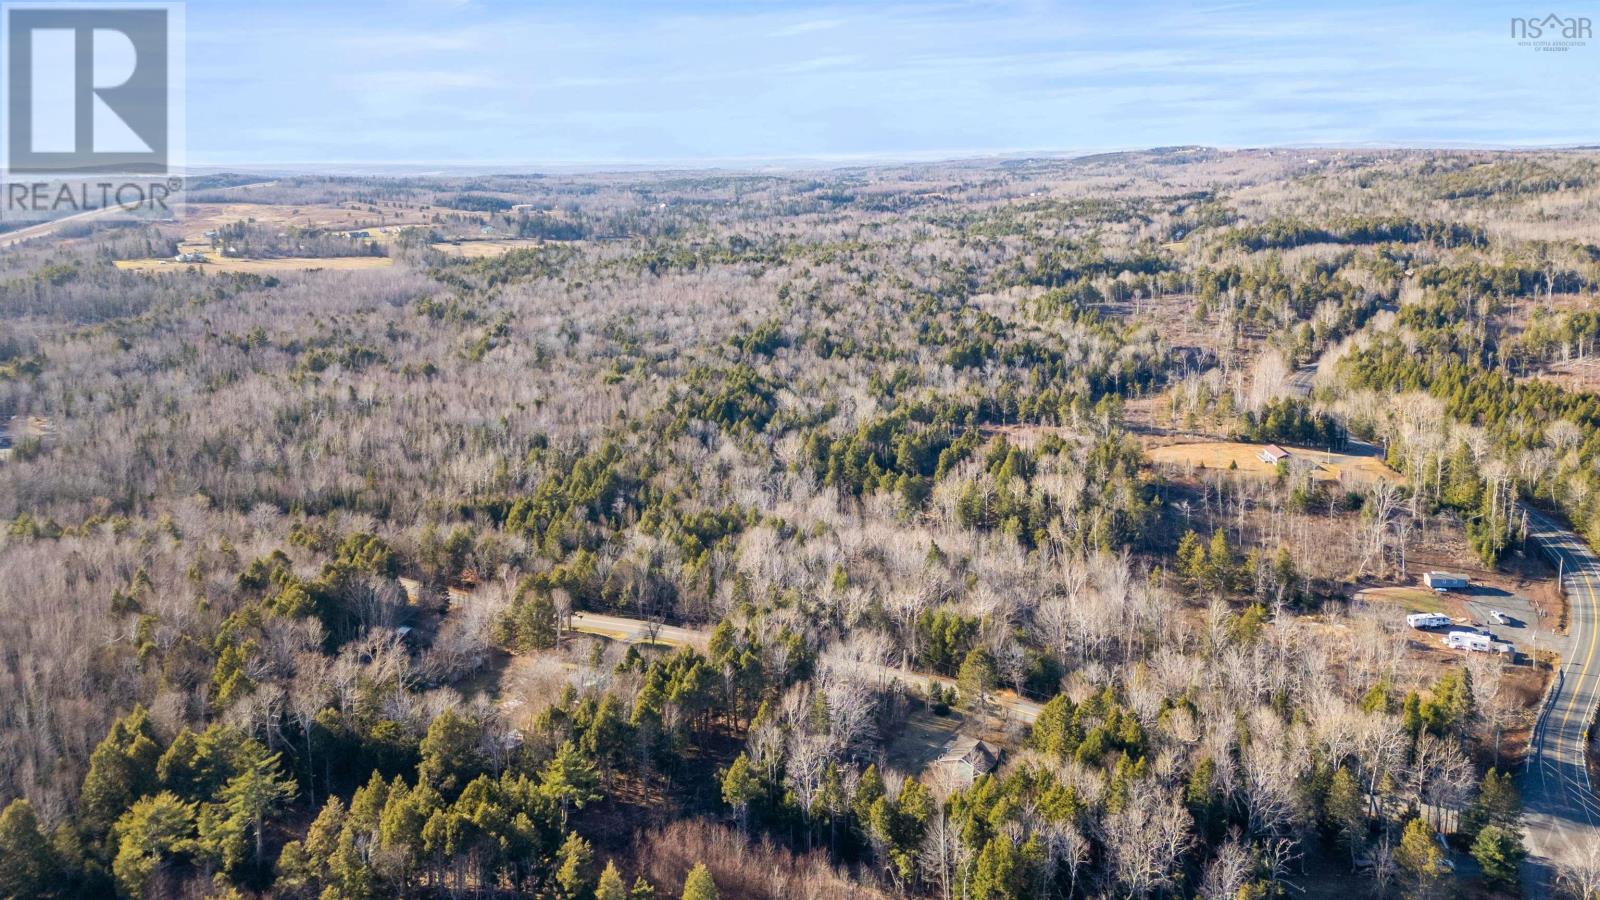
{"points": [[801, 162]]}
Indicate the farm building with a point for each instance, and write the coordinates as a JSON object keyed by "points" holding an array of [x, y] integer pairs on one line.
{"points": [[1272, 454], [1444, 581]]}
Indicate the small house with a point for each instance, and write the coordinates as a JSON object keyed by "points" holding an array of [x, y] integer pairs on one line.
{"points": [[1444, 581], [969, 758], [1272, 454]]}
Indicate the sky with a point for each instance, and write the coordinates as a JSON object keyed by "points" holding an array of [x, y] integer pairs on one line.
{"points": [[473, 82]]}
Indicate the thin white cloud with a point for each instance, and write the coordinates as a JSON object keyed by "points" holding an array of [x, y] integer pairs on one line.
{"points": [[700, 79]]}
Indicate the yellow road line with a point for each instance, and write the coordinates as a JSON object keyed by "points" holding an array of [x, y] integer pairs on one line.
{"points": [[1588, 661]]}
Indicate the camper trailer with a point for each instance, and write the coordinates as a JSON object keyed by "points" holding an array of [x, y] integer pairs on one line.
{"points": [[1476, 643], [1428, 620]]}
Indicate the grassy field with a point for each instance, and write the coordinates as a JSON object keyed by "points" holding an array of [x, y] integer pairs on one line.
{"points": [[1226, 455], [275, 264], [1413, 599], [477, 249], [198, 218]]}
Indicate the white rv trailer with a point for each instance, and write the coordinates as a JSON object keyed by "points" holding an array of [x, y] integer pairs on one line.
{"points": [[1476, 643], [1428, 620]]}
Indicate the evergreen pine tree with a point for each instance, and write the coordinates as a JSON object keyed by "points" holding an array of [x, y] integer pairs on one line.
{"points": [[699, 885], [28, 866], [610, 886], [575, 868], [1499, 852]]}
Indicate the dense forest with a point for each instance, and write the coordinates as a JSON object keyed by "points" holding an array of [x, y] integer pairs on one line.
{"points": [[302, 569]]}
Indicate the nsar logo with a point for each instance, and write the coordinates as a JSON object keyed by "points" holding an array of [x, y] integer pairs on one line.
{"points": [[1553, 32]]}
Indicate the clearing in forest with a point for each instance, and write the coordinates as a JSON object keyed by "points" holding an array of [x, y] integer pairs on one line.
{"points": [[477, 249], [215, 263], [1247, 460]]}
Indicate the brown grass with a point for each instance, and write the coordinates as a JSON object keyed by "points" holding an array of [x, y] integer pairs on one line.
{"points": [[199, 218], [272, 264], [1328, 467], [741, 869], [478, 249], [1411, 599]]}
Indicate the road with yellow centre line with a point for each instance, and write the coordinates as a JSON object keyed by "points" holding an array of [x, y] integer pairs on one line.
{"points": [[1563, 817]]}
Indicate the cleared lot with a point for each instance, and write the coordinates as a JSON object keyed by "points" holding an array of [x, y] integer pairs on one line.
{"points": [[477, 249], [267, 264], [1244, 458]]}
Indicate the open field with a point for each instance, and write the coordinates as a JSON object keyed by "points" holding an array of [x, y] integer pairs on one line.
{"points": [[199, 218], [273, 264], [484, 248], [1411, 600], [1241, 457]]}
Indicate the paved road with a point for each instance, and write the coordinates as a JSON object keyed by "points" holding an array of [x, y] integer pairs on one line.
{"points": [[42, 229], [1563, 817], [1562, 813], [619, 628], [1300, 381], [638, 631]]}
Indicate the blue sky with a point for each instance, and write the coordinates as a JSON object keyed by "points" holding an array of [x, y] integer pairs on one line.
{"points": [[716, 81]]}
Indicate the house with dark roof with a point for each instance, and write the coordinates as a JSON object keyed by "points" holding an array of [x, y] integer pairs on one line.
{"points": [[968, 757]]}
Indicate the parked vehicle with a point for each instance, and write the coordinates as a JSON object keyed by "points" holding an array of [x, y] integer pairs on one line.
{"points": [[1476, 643], [1498, 617], [1428, 620]]}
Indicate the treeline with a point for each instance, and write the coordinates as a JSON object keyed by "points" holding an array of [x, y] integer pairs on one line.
{"points": [[458, 809], [1282, 234], [1505, 179], [1305, 311], [249, 240], [1289, 420], [1544, 433], [475, 203]]}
